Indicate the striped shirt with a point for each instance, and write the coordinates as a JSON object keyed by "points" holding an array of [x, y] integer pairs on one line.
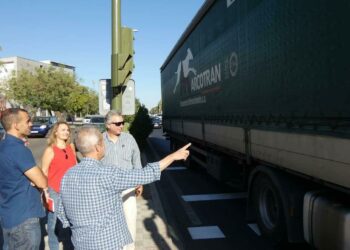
{"points": [[123, 153], [90, 203]]}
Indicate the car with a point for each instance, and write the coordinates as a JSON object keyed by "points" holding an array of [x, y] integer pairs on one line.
{"points": [[87, 119], [96, 120], [42, 125], [2, 131], [156, 122]]}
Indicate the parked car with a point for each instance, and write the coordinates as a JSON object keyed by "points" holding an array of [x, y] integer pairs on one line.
{"points": [[87, 119], [157, 122], [95, 120], [42, 125], [2, 131]]}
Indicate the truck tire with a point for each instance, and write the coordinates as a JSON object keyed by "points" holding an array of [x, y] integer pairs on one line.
{"points": [[269, 209]]}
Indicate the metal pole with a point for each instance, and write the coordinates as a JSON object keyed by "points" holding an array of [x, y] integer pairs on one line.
{"points": [[116, 49]]}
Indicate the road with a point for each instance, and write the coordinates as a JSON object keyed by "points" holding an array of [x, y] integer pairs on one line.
{"points": [[203, 213], [37, 145]]}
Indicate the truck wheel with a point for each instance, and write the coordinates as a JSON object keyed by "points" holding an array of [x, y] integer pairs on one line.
{"points": [[269, 209]]}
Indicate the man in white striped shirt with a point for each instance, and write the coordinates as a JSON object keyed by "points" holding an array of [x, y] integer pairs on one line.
{"points": [[123, 152]]}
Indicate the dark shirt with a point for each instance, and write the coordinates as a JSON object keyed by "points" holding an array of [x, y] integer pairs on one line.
{"points": [[19, 200]]}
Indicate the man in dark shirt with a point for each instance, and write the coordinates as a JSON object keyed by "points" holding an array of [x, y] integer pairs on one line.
{"points": [[20, 181]]}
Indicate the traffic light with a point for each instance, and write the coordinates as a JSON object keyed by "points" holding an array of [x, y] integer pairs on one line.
{"points": [[125, 57]]}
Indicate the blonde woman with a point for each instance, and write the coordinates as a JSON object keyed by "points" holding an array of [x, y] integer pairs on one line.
{"points": [[58, 157]]}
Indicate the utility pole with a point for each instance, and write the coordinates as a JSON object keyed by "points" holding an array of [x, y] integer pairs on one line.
{"points": [[116, 50], [123, 87]]}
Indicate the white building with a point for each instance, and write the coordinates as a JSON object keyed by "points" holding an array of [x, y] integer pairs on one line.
{"points": [[12, 65]]}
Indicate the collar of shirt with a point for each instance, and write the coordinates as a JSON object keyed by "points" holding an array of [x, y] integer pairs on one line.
{"points": [[110, 140], [90, 161]]}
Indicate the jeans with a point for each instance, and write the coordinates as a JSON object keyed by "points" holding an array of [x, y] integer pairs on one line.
{"points": [[4, 239], [26, 236], [52, 227], [51, 223]]}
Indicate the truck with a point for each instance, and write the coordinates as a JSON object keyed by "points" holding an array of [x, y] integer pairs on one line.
{"points": [[261, 89]]}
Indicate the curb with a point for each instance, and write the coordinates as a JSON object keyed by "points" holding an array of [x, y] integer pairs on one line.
{"points": [[158, 204]]}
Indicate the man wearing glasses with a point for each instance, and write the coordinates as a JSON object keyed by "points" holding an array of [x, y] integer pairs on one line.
{"points": [[123, 152]]}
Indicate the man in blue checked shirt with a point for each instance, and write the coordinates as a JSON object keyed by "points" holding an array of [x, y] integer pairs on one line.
{"points": [[90, 199]]}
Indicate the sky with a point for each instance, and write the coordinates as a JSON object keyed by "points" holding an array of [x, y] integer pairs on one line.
{"points": [[78, 33]]}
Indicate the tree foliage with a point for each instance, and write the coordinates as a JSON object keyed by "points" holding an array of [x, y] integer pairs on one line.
{"points": [[51, 89], [82, 100], [141, 126], [157, 109]]}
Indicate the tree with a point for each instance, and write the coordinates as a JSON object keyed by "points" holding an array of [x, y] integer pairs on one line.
{"points": [[46, 88], [157, 109], [51, 89], [141, 126], [82, 100]]}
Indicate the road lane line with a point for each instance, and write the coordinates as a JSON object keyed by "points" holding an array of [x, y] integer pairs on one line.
{"points": [[186, 206], [191, 214], [205, 232], [175, 168], [211, 197], [255, 228]]}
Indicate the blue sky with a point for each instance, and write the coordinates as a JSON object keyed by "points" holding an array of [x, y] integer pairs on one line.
{"points": [[78, 33]]}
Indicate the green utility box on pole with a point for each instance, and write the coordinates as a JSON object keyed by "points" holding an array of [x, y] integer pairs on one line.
{"points": [[122, 57]]}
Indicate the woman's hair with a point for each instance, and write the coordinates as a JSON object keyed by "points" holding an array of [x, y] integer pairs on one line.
{"points": [[52, 139]]}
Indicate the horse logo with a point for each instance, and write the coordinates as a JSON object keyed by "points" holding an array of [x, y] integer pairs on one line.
{"points": [[184, 66]]}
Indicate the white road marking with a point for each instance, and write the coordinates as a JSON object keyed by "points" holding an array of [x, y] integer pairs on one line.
{"points": [[176, 168], [202, 233], [255, 228], [210, 197]]}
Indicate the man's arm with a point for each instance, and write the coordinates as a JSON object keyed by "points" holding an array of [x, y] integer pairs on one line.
{"points": [[124, 179], [61, 213], [136, 163], [180, 154], [135, 157], [36, 176]]}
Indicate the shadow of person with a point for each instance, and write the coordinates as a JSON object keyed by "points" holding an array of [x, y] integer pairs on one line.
{"points": [[156, 236]]}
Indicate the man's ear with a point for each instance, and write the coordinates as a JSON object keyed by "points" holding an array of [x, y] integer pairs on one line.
{"points": [[98, 148], [15, 125]]}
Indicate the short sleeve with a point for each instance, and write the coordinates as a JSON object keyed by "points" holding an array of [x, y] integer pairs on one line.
{"points": [[24, 160]]}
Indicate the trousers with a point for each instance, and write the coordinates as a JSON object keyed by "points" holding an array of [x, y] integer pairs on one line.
{"points": [[130, 212]]}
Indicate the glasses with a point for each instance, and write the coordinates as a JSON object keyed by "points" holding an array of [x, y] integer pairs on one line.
{"points": [[65, 152], [118, 123]]}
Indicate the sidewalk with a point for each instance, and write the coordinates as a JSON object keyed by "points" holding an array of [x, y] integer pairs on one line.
{"points": [[151, 231]]}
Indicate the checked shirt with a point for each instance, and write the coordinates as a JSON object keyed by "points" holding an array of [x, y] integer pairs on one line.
{"points": [[90, 203]]}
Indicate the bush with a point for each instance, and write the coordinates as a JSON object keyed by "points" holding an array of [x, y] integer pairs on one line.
{"points": [[141, 126]]}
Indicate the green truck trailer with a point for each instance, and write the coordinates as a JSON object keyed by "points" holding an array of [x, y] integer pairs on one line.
{"points": [[261, 88]]}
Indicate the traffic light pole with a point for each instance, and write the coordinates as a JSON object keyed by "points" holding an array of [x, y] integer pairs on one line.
{"points": [[116, 49]]}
